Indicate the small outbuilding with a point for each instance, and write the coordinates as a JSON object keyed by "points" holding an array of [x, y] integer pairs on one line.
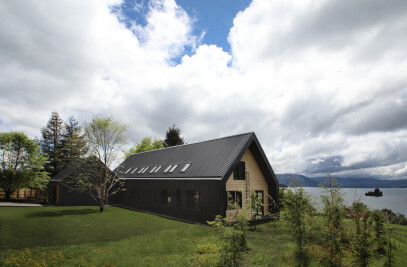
{"points": [[192, 182], [60, 192]]}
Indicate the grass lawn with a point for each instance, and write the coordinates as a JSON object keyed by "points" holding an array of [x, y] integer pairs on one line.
{"points": [[81, 236]]}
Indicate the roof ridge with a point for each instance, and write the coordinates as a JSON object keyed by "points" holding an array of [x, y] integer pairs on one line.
{"points": [[177, 146]]}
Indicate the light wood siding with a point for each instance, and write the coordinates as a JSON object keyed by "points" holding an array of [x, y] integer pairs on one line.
{"points": [[254, 181], [24, 193]]}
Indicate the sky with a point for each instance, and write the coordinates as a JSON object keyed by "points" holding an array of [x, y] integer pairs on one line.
{"points": [[323, 84]]}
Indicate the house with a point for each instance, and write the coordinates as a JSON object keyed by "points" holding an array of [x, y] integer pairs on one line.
{"points": [[192, 182], [60, 190]]}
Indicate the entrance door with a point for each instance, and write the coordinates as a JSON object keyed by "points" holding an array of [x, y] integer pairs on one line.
{"points": [[55, 194]]}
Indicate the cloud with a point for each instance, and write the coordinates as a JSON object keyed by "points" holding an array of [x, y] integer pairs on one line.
{"points": [[321, 83]]}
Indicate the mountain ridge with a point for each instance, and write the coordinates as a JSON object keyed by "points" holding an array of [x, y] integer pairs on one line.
{"points": [[346, 182]]}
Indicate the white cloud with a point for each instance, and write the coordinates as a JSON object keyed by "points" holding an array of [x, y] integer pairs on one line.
{"points": [[322, 83]]}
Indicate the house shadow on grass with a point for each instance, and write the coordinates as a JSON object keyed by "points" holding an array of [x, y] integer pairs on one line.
{"points": [[59, 213]]}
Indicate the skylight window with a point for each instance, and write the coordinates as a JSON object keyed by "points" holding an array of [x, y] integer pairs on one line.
{"points": [[158, 168], [168, 168], [153, 169], [145, 169], [186, 167], [133, 171], [127, 171], [173, 168], [141, 170]]}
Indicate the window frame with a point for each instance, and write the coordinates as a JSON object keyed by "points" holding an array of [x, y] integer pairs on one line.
{"points": [[240, 171], [193, 199], [234, 197], [186, 167], [166, 198]]}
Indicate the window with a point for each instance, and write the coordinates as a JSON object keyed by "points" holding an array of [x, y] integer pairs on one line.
{"points": [[178, 198], [145, 169], [168, 168], [165, 197], [186, 167], [153, 169], [173, 168], [158, 168], [127, 171], [141, 170], [234, 197], [133, 171], [192, 199], [240, 171]]}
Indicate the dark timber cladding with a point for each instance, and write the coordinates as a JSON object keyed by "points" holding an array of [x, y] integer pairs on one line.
{"points": [[189, 181], [60, 194]]}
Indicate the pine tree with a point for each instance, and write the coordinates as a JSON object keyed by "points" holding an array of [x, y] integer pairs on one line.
{"points": [[173, 137], [73, 145], [51, 144]]}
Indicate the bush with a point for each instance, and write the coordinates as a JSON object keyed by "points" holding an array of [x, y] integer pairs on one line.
{"points": [[232, 238]]}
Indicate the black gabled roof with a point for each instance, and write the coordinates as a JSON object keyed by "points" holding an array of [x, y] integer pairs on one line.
{"points": [[65, 173], [210, 159], [74, 170]]}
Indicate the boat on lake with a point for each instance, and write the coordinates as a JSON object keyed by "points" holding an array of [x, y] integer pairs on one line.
{"points": [[375, 193]]}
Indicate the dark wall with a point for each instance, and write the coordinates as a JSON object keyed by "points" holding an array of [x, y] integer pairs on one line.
{"points": [[147, 195], [69, 197]]}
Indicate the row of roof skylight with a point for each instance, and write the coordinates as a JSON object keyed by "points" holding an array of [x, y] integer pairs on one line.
{"points": [[156, 168]]}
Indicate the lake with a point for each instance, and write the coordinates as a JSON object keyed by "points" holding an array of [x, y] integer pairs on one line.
{"points": [[393, 198]]}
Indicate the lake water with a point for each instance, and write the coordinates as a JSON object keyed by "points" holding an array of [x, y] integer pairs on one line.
{"points": [[393, 198]]}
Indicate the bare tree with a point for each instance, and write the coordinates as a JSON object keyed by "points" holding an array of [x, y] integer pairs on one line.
{"points": [[104, 137]]}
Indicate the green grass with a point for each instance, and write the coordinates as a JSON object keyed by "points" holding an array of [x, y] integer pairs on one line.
{"points": [[81, 236]]}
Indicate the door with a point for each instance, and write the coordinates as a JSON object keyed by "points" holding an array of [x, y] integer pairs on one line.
{"points": [[55, 194]]}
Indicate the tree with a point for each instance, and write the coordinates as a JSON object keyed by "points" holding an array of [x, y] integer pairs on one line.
{"points": [[51, 144], [232, 237], [297, 204], [333, 209], [146, 144], [379, 231], [361, 243], [255, 202], [173, 137], [21, 163], [104, 137], [73, 144]]}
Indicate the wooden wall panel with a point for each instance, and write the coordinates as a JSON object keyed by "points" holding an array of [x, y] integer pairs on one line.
{"points": [[255, 181]]}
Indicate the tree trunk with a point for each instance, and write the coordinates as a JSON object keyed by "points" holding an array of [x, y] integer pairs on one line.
{"points": [[102, 205], [8, 193]]}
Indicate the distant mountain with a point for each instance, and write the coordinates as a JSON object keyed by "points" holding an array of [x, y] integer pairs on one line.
{"points": [[345, 182], [366, 182], [304, 181]]}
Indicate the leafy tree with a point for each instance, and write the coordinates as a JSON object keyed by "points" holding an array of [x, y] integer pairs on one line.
{"points": [[21, 164], [297, 204], [232, 237], [104, 137], [379, 232], [73, 145], [146, 144], [333, 212], [173, 137], [51, 144], [362, 241], [255, 202], [389, 254]]}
